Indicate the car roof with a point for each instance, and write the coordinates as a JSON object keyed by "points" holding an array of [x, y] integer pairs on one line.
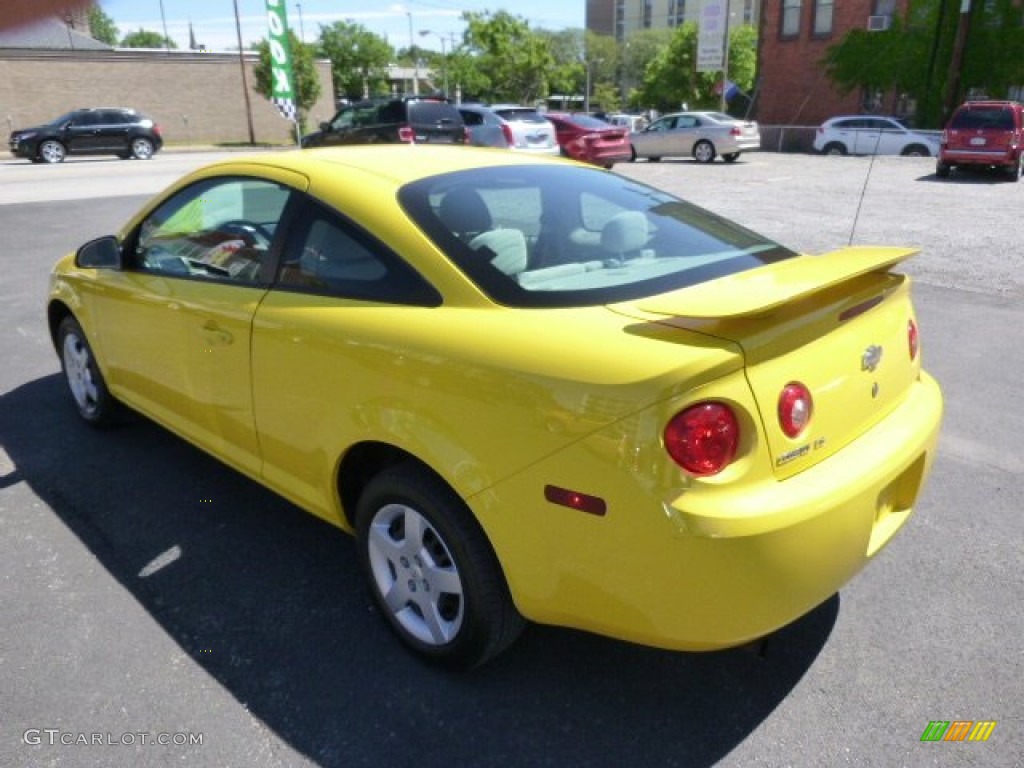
{"points": [[401, 163]]}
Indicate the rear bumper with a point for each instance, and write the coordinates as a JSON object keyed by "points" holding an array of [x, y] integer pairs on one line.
{"points": [[979, 156], [709, 566]]}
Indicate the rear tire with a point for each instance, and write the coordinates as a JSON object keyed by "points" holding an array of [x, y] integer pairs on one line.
{"points": [[732, 157], [942, 170], [1016, 170], [142, 149], [432, 571]]}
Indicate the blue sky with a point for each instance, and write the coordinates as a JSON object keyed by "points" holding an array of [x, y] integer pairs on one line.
{"points": [[214, 20]]}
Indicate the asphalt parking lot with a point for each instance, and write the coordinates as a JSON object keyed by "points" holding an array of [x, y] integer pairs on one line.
{"points": [[266, 646]]}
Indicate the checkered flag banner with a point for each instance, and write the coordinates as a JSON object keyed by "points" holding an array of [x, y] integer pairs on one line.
{"points": [[282, 80], [287, 109]]}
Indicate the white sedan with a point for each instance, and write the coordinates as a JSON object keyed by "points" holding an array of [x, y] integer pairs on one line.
{"points": [[701, 135], [870, 135]]}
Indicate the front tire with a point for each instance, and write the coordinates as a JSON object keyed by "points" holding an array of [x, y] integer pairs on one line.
{"points": [[834, 148], [92, 399], [704, 152], [432, 571], [916, 150], [52, 151]]}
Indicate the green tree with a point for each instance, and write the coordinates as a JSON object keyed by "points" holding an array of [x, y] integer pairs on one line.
{"points": [[102, 26], [359, 59], [514, 57], [639, 50], [671, 79], [307, 83], [145, 38]]}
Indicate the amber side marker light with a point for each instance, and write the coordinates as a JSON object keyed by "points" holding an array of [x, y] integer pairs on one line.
{"points": [[581, 502]]}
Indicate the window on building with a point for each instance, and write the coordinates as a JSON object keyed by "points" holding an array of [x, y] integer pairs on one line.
{"points": [[748, 12], [823, 17], [790, 25], [648, 13], [884, 8]]}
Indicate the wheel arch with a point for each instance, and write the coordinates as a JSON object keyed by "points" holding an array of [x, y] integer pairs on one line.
{"points": [[56, 311]]}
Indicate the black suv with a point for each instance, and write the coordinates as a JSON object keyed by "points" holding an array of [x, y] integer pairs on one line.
{"points": [[391, 121], [106, 131]]}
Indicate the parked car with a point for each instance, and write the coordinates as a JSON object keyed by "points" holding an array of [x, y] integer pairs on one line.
{"points": [[125, 133], [485, 128], [531, 388], [872, 135], [701, 135], [984, 134], [630, 122], [531, 132], [590, 140], [411, 120]]}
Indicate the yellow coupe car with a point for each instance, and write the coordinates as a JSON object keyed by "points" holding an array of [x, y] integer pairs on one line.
{"points": [[532, 389]]}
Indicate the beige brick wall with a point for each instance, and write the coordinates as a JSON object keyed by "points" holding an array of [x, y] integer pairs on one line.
{"points": [[197, 98]]}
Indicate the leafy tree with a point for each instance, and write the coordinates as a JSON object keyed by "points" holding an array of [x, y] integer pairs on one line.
{"points": [[639, 50], [467, 77], [671, 79], [513, 58], [913, 58], [359, 59], [307, 83], [102, 26], [144, 38], [567, 47]]}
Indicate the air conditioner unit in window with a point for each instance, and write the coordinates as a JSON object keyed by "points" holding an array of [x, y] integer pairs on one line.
{"points": [[878, 23]]}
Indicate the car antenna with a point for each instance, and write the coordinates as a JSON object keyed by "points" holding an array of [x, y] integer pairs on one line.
{"points": [[863, 190]]}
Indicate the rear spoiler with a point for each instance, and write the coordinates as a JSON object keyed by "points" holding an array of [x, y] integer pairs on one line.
{"points": [[763, 289]]}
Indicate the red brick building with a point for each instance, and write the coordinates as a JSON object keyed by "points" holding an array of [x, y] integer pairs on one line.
{"points": [[794, 35]]}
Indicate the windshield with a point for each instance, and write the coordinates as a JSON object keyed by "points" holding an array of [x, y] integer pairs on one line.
{"points": [[561, 236]]}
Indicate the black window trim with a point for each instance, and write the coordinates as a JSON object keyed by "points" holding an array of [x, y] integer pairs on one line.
{"points": [[308, 209]]}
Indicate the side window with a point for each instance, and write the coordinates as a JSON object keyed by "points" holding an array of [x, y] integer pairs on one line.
{"points": [[85, 119], [472, 118], [327, 256], [687, 122], [218, 229], [343, 120]]}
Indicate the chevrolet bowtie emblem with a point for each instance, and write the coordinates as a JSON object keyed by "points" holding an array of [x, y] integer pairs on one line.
{"points": [[871, 358]]}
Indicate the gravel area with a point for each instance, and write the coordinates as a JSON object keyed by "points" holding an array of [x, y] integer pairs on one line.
{"points": [[966, 226]]}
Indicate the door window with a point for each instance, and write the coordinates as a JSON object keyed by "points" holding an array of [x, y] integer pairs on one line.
{"points": [[219, 229]]}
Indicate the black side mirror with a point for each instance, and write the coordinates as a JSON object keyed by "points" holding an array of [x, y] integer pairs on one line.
{"points": [[101, 253], [325, 126]]}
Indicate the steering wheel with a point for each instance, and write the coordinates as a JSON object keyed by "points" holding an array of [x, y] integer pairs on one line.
{"points": [[255, 235]]}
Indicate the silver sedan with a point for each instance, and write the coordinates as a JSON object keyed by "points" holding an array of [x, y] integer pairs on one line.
{"points": [[701, 135]]}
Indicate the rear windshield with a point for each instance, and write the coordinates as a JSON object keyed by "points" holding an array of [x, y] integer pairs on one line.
{"points": [[561, 236], [586, 121], [433, 112], [992, 118], [521, 115]]}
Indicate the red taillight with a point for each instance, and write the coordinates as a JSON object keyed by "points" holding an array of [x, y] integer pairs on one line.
{"points": [[406, 134], [506, 131], [703, 438], [156, 129], [795, 408], [913, 341], [735, 131]]}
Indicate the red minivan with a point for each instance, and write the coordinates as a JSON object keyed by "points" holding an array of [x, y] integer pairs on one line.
{"points": [[986, 134]]}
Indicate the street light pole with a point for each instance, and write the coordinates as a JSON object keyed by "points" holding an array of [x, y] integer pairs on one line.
{"points": [[302, 28], [415, 61], [245, 79], [444, 57]]}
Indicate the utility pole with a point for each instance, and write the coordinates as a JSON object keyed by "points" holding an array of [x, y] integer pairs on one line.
{"points": [[956, 63], [245, 79]]}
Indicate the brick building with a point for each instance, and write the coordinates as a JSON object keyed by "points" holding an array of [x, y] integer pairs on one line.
{"points": [[794, 35]]}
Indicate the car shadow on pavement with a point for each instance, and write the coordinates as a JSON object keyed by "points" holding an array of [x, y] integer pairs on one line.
{"points": [[269, 601]]}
